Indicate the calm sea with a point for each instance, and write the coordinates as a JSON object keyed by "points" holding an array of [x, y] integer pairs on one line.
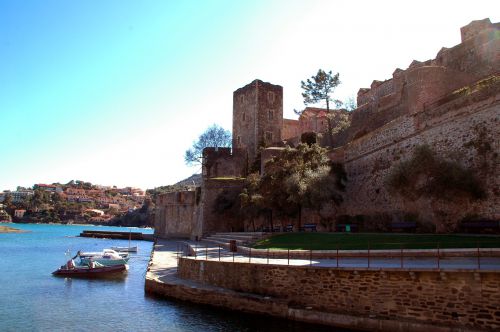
{"points": [[31, 299]]}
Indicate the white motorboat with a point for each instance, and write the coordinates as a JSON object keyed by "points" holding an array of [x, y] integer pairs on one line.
{"points": [[107, 257], [125, 249]]}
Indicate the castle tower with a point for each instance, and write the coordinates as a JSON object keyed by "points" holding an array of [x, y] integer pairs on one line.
{"points": [[257, 117]]}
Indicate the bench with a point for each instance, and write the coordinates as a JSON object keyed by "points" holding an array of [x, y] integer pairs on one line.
{"points": [[288, 228], [268, 229], [404, 226], [305, 227], [486, 225], [344, 227]]}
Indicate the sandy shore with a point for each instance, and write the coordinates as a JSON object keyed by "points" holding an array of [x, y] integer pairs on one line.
{"points": [[6, 229]]}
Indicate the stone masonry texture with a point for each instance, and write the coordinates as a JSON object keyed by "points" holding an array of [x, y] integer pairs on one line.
{"points": [[467, 300]]}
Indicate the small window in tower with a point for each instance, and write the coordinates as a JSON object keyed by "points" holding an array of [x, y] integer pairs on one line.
{"points": [[269, 136], [270, 97], [242, 99], [270, 114], [238, 140], [243, 117]]}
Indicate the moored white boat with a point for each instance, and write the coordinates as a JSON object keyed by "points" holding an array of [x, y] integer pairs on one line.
{"points": [[125, 249], [103, 252], [107, 257]]}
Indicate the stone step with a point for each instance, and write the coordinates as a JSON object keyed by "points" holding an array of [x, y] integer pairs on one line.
{"points": [[235, 237], [242, 233], [216, 242], [252, 235], [223, 240]]}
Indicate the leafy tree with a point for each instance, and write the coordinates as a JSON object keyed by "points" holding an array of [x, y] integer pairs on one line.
{"points": [[56, 198], [251, 201], [39, 198], [7, 201], [339, 121], [435, 180], [325, 191], [319, 88], [350, 104], [214, 136], [301, 177], [426, 174]]}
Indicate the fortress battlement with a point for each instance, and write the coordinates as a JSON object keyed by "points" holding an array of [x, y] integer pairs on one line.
{"points": [[424, 82]]}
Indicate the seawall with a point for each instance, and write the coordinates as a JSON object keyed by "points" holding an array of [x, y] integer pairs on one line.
{"points": [[356, 298]]}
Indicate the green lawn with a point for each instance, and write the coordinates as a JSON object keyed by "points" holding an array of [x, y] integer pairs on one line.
{"points": [[332, 241]]}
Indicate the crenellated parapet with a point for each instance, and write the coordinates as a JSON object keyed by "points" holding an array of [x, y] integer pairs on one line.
{"points": [[223, 162], [424, 82]]}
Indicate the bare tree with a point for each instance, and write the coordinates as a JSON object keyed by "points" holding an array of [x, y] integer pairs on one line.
{"points": [[214, 136]]}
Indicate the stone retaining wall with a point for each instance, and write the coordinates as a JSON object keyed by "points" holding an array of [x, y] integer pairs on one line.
{"points": [[403, 300]]}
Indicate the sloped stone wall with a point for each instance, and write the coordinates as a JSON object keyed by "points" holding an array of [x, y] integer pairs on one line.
{"points": [[452, 299], [452, 129]]}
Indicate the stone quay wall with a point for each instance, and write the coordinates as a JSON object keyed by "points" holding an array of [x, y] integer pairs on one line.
{"points": [[175, 214], [388, 300]]}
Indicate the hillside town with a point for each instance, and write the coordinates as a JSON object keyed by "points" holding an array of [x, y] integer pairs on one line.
{"points": [[73, 202]]}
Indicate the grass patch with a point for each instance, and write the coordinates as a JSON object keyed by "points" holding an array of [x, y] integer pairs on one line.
{"points": [[361, 241]]}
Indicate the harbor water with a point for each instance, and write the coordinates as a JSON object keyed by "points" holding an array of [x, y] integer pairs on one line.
{"points": [[31, 299]]}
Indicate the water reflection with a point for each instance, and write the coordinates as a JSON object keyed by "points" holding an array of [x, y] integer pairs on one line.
{"points": [[37, 301]]}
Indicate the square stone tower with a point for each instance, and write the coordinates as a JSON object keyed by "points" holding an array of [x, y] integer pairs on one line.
{"points": [[257, 117]]}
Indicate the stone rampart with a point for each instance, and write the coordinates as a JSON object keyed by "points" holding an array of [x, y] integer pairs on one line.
{"points": [[175, 214], [211, 219], [218, 162], [455, 128], [412, 300], [424, 82]]}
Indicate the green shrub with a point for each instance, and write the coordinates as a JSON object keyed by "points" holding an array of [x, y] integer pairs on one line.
{"points": [[427, 175], [309, 138]]}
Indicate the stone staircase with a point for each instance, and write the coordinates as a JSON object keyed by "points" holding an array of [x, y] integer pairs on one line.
{"points": [[241, 238]]}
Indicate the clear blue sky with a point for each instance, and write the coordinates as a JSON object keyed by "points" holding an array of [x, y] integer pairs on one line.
{"points": [[114, 92]]}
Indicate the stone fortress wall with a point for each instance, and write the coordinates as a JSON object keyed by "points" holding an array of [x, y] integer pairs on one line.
{"points": [[425, 105], [176, 214], [369, 159], [449, 103], [424, 82]]}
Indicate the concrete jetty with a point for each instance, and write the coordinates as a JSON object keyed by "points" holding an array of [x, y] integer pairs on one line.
{"points": [[117, 235]]}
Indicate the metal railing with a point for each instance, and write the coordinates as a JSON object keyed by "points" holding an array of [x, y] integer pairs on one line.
{"points": [[434, 257]]}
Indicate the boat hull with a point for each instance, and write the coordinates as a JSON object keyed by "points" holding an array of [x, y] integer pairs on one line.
{"points": [[86, 272]]}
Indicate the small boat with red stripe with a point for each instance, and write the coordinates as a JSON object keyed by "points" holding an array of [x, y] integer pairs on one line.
{"points": [[91, 270]]}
